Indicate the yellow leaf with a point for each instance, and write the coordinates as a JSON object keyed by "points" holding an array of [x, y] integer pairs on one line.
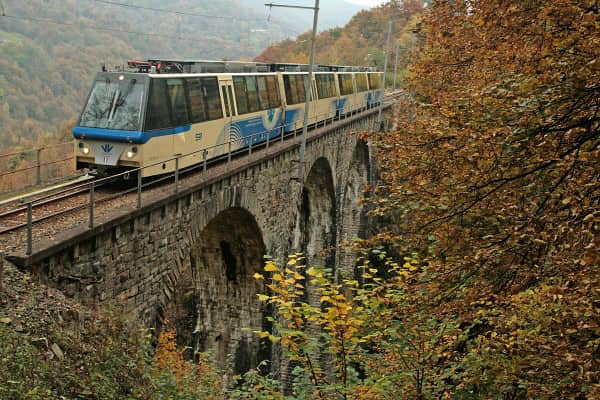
{"points": [[263, 297], [326, 298], [263, 334], [274, 339], [277, 277], [271, 267], [258, 276]]}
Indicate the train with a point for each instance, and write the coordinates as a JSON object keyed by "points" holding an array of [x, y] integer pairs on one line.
{"points": [[162, 115]]}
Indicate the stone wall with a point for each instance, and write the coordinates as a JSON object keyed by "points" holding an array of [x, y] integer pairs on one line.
{"points": [[200, 250]]}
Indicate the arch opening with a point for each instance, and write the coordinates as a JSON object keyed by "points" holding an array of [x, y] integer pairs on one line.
{"points": [[353, 216], [316, 226], [223, 310]]}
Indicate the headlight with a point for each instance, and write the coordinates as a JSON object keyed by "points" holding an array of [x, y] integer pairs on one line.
{"points": [[132, 152], [84, 149]]}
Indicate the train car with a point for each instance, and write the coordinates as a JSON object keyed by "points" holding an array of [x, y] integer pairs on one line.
{"points": [[353, 96], [146, 119], [257, 110], [375, 94]]}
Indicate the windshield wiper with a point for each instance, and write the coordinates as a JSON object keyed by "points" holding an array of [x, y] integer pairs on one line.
{"points": [[113, 107], [121, 97]]}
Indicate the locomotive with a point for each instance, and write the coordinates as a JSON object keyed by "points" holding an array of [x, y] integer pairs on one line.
{"points": [[160, 115]]}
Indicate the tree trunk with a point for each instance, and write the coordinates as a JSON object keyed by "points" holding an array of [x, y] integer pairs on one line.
{"points": [[1, 269]]}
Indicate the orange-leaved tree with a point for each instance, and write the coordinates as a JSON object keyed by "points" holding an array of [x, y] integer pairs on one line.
{"points": [[493, 175], [177, 378]]}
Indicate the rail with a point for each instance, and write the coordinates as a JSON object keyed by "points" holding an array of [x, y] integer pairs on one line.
{"points": [[220, 153]]}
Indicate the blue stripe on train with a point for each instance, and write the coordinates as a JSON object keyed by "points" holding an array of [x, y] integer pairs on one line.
{"points": [[240, 128], [256, 128], [291, 119], [138, 137], [340, 105]]}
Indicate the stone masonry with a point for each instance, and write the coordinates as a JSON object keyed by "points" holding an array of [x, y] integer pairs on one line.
{"points": [[200, 249]]}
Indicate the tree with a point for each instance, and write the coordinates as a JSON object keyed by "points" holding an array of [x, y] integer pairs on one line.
{"points": [[493, 177], [369, 341]]}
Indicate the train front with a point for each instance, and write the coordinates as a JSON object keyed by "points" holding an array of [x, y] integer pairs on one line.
{"points": [[108, 134]]}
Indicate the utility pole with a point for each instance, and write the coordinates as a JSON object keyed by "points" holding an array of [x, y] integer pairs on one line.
{"points": [[307, 82], [387, 49]]}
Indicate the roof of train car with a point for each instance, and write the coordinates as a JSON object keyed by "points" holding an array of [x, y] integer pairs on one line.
{"points": [[235, 66]]}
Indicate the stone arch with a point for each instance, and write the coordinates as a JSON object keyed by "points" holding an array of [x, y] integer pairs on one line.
{"points": [[224, 310], [316, 226], [353, 218]]}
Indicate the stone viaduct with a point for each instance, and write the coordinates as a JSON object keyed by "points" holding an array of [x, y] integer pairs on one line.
{"points": [[195, 252]]}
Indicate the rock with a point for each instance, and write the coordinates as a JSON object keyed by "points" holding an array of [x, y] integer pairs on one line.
{"points": [[57, 351], [5, 320], [41, 343]]}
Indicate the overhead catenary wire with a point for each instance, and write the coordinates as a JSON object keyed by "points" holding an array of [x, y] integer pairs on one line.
{"points": [[127, 31], [97, 28], [193, 14], [164, 10]]}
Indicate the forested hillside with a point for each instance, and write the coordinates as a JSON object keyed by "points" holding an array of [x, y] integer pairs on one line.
{"points": [[332, 13], [50, 50], [360, 42]]}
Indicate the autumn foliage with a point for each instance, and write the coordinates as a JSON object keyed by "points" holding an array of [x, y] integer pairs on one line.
{"points": [[361, 42], [177, 377], [493, 176], [490, 181]]}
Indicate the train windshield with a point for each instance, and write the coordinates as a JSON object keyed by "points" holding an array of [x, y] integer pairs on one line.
{"points": [[115, 103]]}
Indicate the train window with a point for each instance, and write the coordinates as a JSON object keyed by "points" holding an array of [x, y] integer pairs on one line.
{"points": [[263, 95], [197, 100], [321, 86], [114, 105], [231, 100], [325, 86], [226, 101], [346, 86], [294, 88], [374, 81], [203, 99], [178, 104], [361, 82], [291, 92], [273, 91], [300, 82], [211, 96], [333, 85], [252, 93], [157, 115], [240, 94]]}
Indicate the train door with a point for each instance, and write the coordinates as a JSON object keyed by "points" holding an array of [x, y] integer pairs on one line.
{"points": [[229, 111]]}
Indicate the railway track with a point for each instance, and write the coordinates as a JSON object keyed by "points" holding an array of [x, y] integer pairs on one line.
{"points": [[13, 215]]}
